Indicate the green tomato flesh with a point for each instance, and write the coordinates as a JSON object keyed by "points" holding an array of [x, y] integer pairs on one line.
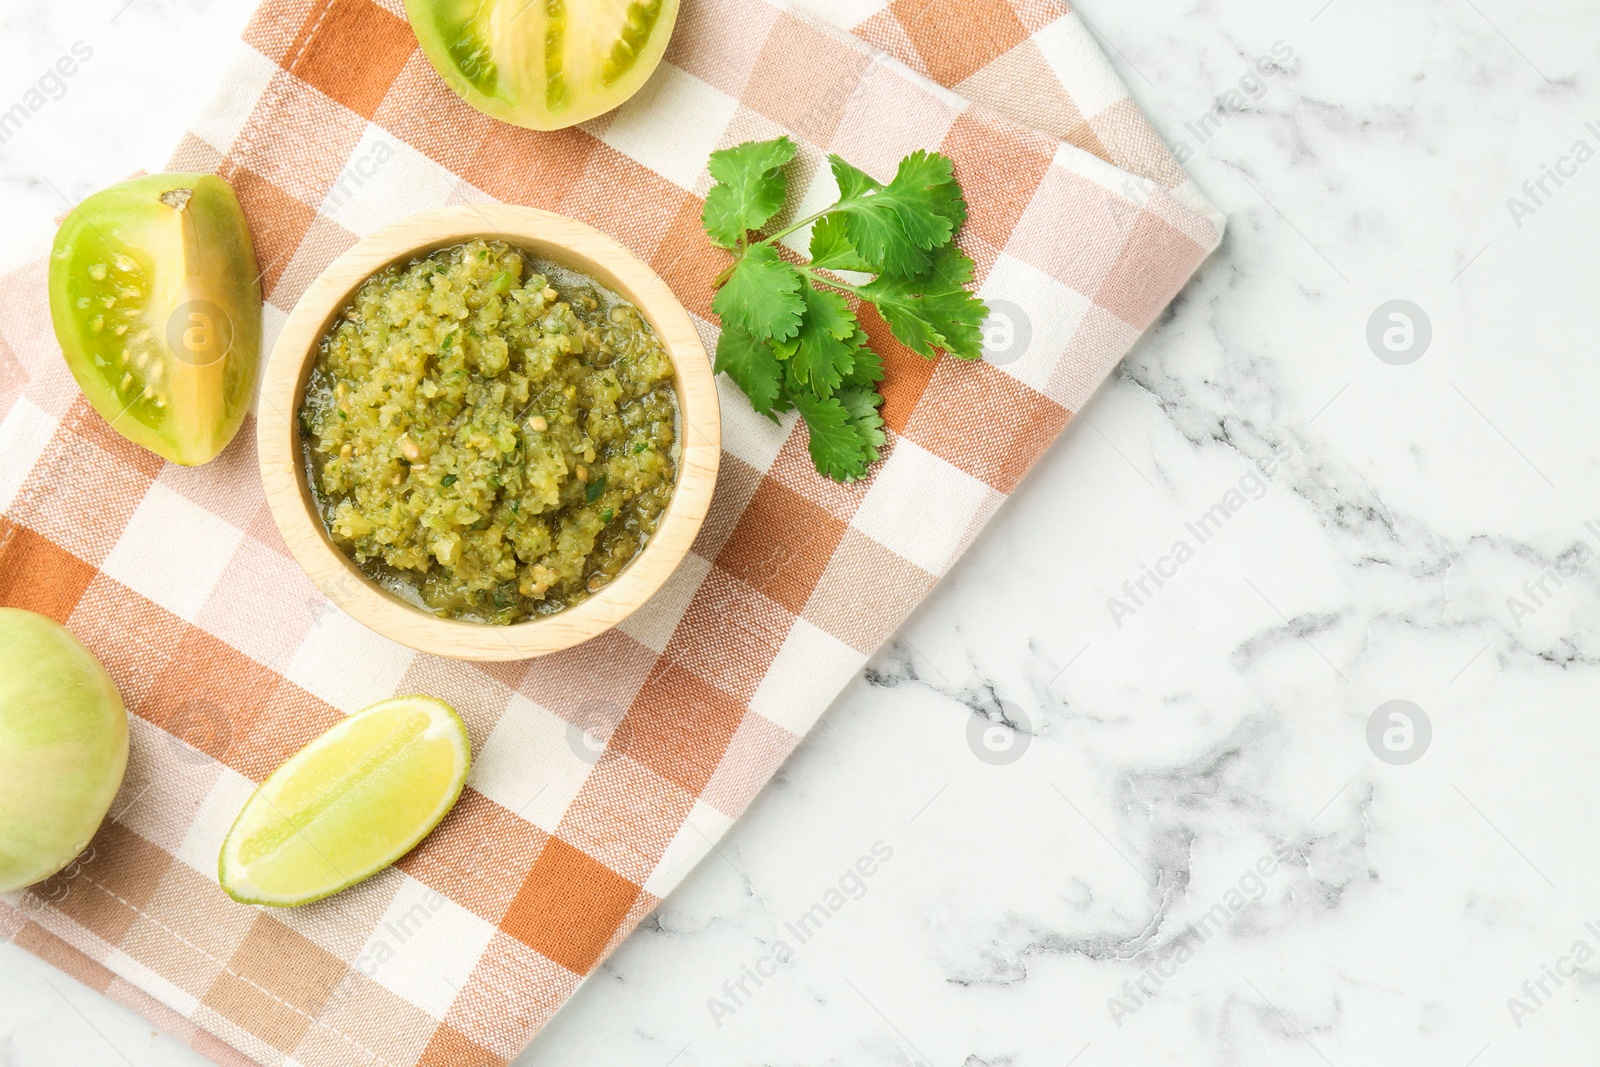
{"points": [[63, 747], [544, 64], [156, 302]]}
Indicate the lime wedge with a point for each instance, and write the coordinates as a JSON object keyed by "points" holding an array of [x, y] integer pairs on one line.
{"points": [[348, 804]]}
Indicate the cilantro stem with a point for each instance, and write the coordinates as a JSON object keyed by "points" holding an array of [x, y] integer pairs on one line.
{"points": [[745, 245], [823, 279], [804, 269], [800, 225]]}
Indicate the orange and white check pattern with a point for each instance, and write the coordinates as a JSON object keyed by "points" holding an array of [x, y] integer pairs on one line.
{"points": [[603, 774]]}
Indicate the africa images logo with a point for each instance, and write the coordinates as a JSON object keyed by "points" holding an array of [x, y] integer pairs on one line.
{"points": [[1540, 991], [1249, 88], [1247, 488], [1163, 964], [1537, 192], [851, 885]]}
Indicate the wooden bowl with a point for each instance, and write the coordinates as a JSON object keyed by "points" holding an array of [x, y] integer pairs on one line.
{"points": [[564, 241]]}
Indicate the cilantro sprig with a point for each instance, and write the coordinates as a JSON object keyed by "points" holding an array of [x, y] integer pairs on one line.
{"points": [[790, 336]]}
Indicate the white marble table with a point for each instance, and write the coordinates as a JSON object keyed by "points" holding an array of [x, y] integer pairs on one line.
{"points": [[1176, 746]]}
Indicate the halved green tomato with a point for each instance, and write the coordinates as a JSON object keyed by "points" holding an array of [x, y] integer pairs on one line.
{"points": [[156, 302], [543, 64]]}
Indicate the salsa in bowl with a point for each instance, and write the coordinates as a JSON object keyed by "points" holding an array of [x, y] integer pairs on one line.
{"points": [[490, 442]]}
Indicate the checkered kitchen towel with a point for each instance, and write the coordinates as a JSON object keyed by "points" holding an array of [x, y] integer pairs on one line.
{"points": [[605, 773]]}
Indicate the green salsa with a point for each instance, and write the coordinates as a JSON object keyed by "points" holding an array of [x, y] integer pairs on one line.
{"points": [[490, 436]]}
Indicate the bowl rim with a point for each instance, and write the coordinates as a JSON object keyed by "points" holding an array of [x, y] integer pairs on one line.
{"points": [[565, 241]]}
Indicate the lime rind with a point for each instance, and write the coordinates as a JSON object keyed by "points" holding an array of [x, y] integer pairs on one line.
{"points": [[300, 794]]}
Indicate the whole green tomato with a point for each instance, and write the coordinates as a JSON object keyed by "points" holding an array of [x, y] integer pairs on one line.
{"points": [[63, 747]]}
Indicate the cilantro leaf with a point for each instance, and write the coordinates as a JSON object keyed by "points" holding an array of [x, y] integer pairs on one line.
{"points": [[825, 351], [762, 295], [867, 369], [840, 445], [750, 188], [951, 268], [933, 311], [752, 366], [826, 310], [897, 227], [853, 182], [831, 249], [927, 199], [861, 404]]}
